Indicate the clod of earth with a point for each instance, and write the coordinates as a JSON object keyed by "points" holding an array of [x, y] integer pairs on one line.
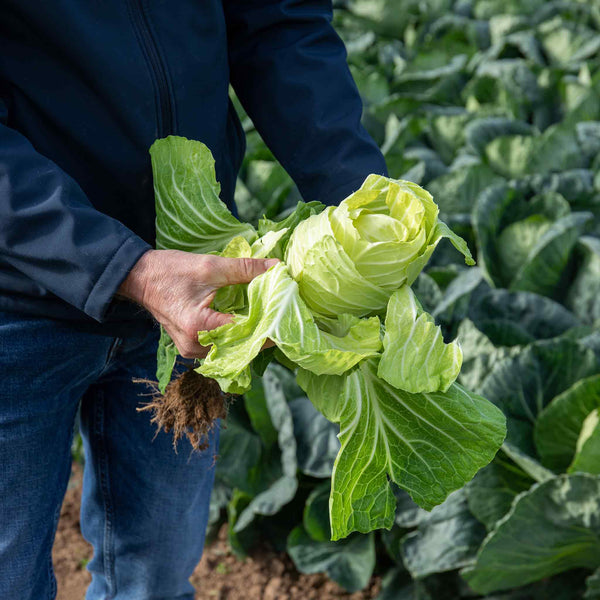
{"points": [[189, 408]]}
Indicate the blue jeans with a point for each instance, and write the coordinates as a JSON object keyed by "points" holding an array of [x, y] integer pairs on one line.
{"points": [[144, 506]]}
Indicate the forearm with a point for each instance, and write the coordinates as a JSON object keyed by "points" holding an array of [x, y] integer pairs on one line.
{"points": [[50, 231]]}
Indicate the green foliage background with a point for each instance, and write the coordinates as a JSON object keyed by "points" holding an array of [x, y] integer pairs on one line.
{"points": [[494, 107]]}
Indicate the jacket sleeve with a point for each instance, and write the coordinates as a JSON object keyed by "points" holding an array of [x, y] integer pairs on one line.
{"points": [[50, 231], [289, 70]]}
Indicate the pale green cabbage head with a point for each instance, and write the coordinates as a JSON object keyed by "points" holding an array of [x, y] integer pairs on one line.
{"points": [[349, 259]]}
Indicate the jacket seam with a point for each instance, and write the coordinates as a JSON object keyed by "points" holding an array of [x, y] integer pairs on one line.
{"points": [[147, 61], [173, 126]]}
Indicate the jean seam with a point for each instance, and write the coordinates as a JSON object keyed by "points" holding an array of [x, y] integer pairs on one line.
{"points": [[112, 351], [53, 587], [51, 576], [108, 542]]}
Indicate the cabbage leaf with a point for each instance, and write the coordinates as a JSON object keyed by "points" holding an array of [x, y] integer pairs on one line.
{"points": [[550, 528], [415, 357], [277, 312], [189, 213], [428, 444]]}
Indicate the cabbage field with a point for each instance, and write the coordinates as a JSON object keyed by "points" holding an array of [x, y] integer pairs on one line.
{"points": [[493, 107]]}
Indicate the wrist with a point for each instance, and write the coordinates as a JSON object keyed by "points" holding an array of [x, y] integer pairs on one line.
{"points": [[137, 284]]}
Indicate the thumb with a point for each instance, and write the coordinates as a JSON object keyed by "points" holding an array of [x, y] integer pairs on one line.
{"points": [[243, 270]]}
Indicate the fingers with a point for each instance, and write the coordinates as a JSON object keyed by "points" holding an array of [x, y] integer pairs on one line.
{"points": [[193, 312], [187, 340], [191, 349], [230, 271], [185, 333], [213, 319], [187, 345]]}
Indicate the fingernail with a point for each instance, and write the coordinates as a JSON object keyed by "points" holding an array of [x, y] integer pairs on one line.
{"points": [[271, 262]]}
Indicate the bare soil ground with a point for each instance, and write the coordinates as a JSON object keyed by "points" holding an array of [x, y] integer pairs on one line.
{"points": [[220, 575]]}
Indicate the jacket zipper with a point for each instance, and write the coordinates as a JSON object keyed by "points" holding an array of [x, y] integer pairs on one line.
{"points": [[157, 67]]}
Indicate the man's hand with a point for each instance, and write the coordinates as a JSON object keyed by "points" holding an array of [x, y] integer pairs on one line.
{"points": [[177, 288]]}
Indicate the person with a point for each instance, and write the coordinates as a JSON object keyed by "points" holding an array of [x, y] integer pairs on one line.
{"points": [[85, 88]]}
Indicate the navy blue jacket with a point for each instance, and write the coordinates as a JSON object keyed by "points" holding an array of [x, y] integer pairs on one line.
{"points": [[86, 87]]}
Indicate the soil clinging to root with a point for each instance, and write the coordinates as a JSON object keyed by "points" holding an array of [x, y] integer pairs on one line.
{"points": [[189, 407]]}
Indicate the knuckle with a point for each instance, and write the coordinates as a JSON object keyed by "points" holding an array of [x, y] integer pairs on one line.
{"points": [[188, 349], [246, 267], [182, 348], [191, 333], [207, 267]]}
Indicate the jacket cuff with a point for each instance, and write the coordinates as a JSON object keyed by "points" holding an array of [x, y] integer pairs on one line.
{"points": [[112, 276]]}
